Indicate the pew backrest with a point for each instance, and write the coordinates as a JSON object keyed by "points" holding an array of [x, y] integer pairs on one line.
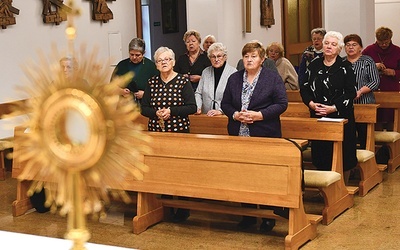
{"points": [[229, 168]]}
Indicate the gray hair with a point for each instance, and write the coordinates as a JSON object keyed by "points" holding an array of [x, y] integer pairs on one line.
{"points": [[336, 35], [210, 36], [217, 47], [161, 50], [320, 31], [137, 44]]}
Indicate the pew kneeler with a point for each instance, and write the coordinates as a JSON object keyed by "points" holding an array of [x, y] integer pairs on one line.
{"points": [[391, 139], [369, 171]]}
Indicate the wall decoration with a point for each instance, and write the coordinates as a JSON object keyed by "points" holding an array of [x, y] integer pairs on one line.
{"points": [[169, 14], [7, 12], [54, 11], [101, 12], [267, 13]]}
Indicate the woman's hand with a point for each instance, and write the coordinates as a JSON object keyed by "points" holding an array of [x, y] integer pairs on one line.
{"points": [[324, 110], [380, 66], [124, 92], [249, 116], [139, 94], [194, 78], [214, 112], [163, 113]]}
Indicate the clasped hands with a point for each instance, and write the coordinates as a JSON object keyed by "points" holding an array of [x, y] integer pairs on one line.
{"points": [[322, 109], [248, 116], [385, 71], [164, 113]]}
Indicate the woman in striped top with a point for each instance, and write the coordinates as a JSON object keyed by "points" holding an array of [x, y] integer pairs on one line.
{"points": [[367, 78]]}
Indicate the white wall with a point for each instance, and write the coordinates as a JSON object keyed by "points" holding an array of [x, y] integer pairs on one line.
{"points": [[21, 41], [224, 19], [387, 14], [351, 16]]}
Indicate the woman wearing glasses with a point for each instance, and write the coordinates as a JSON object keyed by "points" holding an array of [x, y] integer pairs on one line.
{"points": [[387, 59], [367, 78], [213, 81], [168, 99], [276, 52], [253, 100]]}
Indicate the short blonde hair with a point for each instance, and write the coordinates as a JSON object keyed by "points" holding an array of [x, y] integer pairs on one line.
{"points": [[279, 46], [192, 33]]}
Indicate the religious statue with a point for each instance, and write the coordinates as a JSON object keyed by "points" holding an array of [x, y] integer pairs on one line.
{"points": [[101, 12], [7, 12], [54, 11], [267, 13]]}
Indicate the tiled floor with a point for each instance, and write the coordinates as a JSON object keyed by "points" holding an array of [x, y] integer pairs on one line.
{"points": [[373, 223]]}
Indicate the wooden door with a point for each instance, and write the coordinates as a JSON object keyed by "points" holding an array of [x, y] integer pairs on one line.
{"points": [[299, 18]]}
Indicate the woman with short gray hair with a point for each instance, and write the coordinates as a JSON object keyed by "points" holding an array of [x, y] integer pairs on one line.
{"points": [[328, 90], [213, 81]]}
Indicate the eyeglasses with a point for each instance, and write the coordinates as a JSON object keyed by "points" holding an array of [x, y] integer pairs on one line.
{"points": [[215, 57], [384, 42], [348, 45], [167, 60]]}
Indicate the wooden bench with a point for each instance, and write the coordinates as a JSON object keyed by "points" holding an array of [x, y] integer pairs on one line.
{"points": [[337, 198], [230, 169], [7, 112], [331, 184], [255, 170], [391, 139], [370, 171]]}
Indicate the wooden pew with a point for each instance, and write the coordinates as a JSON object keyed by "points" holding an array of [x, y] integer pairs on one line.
{"points": [[371, 174], [390, 100], [387, 100], [293, 96], [391, 139], [231, 169], [337, 198], [6, 111], [208, 167]]}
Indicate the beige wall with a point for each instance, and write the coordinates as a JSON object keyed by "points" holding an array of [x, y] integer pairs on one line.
{"points": [[223, 18], [21, 42]]}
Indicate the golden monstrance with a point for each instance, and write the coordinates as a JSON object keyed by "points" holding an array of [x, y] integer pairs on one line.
{"points": [[81, 141]]}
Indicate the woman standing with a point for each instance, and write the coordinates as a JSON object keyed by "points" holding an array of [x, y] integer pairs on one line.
{"points": [[311, 52], [213, 81], [367, 78], [329, 89], [192, 63], [387, 59], [168, 99], [254, 99], [285, 68]]}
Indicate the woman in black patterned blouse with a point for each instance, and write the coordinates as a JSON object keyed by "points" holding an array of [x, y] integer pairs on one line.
{"points": [[168, 99]]}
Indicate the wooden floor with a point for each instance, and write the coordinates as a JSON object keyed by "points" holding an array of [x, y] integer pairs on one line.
{"points": [[373, 223]]}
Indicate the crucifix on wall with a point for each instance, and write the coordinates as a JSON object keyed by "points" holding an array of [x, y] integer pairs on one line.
{"points": [[101, 12], [54, 11], [7, 12]]}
